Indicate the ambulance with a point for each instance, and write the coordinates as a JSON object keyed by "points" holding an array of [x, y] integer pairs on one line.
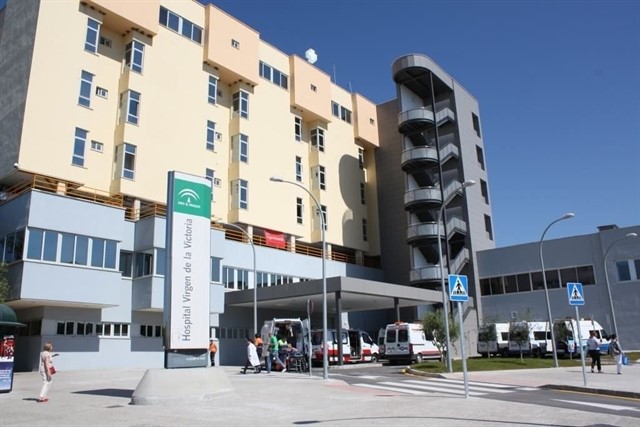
{"points": [[407, 343], [357, 346]]}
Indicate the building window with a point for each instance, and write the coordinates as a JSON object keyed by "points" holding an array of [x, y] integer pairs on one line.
{"points": [[151, 331], [476, 123], [325, 217], [126, 263], [299, 210], [317, 138], [133, 107], [105, 42], [111, 330], [211, 136], [180, 25], [586, 275], [78, 147], [362, 193], [484, 190], [241, 104], [129, 161], [297, 128], [143, 264], [240, 194], [215, 269], [212, 94], [298, 168], [275, 76], [365, 236], [134, 55], [93, 31], [487, 226], [361, 158], [314, 88], [235, 44], [480, 156], [86, 84], [320, 171], [624, 272], [340, 112], [240, 148], [97, 146], [102, 92]]}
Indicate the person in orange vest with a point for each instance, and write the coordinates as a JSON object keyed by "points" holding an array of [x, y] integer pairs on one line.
{"points": [[213, 349]]}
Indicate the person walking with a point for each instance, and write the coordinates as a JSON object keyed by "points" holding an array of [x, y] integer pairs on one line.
{"points": [[616, 352], [46, 371], [252, 357], [594, 351], [213, 349], [258, 343]]}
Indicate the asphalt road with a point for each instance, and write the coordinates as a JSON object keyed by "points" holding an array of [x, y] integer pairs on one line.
{"points": [[391, 379]]}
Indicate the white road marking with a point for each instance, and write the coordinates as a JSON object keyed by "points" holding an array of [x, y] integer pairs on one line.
{"points": [[433, 388], [601, 405], [396, 389], [458, 384]]}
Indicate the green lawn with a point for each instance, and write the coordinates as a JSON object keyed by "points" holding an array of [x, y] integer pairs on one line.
{"points": [[504, 363]]}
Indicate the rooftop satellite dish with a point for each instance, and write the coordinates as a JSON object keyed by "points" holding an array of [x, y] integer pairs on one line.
{"points": [[311, 56]]}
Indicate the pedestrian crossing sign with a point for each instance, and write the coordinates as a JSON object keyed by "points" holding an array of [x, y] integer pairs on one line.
{"points": [[458, 288], [574, 292]]}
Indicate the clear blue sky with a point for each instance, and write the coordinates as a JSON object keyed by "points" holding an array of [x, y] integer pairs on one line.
{"points": [[558, 84]]}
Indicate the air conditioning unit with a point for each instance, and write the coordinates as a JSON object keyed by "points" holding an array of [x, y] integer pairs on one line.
{"points": [[218, 136], [217, 182]]}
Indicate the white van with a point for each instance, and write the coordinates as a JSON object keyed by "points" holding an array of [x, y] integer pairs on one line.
{"points": [[538, 342], [586, 326], [407, 342], [498, 346], [293, 329], [357, 346]]}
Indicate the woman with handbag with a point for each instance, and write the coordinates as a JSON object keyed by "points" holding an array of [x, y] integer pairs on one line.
{"points": [[46, 371], [616, 352]]}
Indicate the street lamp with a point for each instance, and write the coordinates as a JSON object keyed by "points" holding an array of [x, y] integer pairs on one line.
{"points": [[255, 277], [445, 303], [546, 291], [606, 275], [325, 356]]}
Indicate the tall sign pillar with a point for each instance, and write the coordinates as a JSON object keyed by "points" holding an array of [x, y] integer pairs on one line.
{"points": [[187, 282]]}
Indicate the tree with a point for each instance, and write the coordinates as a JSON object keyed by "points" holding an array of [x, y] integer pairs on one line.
{"points": [[433, 322], [4, 283], [519, 333], [487, 332]]}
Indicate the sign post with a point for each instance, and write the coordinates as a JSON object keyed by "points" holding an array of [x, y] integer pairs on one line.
{"points": [[187, 285], [576, 298], [459, 292]]}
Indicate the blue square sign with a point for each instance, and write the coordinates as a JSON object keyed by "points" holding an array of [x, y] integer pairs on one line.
{"points": [[574, 292], [458, 288]]}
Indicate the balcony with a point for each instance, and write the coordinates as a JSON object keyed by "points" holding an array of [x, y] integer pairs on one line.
{"points": [[429, 273], [422, 231], [415, 119], [418, 157], [422, 197]]}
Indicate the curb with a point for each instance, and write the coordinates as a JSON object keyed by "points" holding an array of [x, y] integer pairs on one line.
{"points": [[599, 391]]}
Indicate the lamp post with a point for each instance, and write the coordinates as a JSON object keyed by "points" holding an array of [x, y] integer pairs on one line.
{"points": [[546, 291], [325, 358], [445, 303], [606, 275], [255, 277]]}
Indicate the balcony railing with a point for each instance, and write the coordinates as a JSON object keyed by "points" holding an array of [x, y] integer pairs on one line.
{"points": [[148, 210]]}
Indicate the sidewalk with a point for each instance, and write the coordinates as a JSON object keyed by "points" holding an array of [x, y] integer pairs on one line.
{"points": [[102, 398], [607, 383]]}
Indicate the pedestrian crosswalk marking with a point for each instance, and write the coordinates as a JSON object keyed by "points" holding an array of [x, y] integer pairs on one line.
{"points": [[433, 388], [399, 390], [442, 385], [472, 386]]}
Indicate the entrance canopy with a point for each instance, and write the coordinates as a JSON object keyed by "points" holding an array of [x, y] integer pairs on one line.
{"points": [[353, 294]]}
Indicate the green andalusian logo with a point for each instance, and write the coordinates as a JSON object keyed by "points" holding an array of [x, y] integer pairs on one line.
{"points": [[191, 198]]}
